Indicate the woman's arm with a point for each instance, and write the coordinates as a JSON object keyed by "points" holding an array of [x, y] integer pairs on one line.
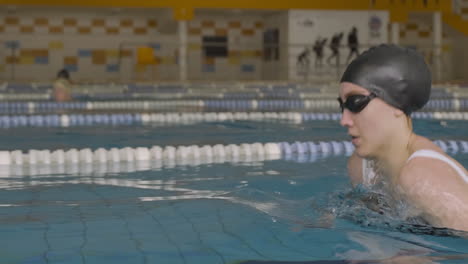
{"points": [[438, 190]]}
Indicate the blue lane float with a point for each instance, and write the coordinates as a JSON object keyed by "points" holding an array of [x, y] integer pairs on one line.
{"points": [[31, 162], [128, 119], [325, 105]]}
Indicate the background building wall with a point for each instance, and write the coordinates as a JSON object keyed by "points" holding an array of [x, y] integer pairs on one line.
{"points": [[243, 31], [417, 32], [275, 51], [103, 44], [460, 57], [90, 44]]}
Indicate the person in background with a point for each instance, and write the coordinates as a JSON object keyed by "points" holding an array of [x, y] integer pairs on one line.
{"points": [[62, 86], [318, 50], [378, 92], [303, 58], [353, 44], [335, 48]]}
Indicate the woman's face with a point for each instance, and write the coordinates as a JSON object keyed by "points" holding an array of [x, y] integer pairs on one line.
{"points": [[371, 127]]}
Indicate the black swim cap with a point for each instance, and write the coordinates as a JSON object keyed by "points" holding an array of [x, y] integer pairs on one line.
{"points": [[64, 74], [397, 75]]}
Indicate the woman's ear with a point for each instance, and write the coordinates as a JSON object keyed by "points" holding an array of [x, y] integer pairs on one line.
{"points": [[398, 113]]}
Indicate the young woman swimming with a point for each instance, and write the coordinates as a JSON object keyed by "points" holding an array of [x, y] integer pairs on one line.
{"points": [[378, 92]]}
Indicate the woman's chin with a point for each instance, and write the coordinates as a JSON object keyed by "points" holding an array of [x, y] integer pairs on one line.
{"points": [[361, 152]]}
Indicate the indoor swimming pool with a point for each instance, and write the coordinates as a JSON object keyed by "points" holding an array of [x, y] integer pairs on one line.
{"points": [[295, 207], [221, 132]]}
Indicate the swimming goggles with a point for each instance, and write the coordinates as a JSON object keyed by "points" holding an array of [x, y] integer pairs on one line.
{"points": [[356, 103]]}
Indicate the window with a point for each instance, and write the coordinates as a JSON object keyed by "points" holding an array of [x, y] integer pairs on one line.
{"points": [[271, 45], [215, 46]]}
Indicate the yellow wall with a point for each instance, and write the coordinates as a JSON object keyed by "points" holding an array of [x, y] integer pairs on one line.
{"points": [[183, 9], [408, 5]]}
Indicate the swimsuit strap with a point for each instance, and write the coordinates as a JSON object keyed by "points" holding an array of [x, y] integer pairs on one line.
{"points": [[428, 153]]}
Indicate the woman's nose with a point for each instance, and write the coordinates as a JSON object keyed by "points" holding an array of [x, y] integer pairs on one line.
{"points": [[346, 119]]}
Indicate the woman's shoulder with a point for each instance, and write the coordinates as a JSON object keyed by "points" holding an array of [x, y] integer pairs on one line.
{"points": [[428, 161], [436, 183], [428, 151], [423, 143]]}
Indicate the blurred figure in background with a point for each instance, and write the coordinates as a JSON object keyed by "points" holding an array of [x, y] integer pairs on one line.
{"points": [[62, 86], [335, 48], [303, 58], [353, 44], [318, 49]]}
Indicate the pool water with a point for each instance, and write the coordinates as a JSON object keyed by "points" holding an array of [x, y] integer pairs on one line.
{"points": [[297, 209], [210, 133]]}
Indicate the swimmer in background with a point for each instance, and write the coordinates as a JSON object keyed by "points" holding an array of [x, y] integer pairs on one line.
{"points": [[378, 92], [62, 86]]}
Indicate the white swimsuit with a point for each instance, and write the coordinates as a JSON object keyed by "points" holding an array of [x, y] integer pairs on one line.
{"points": [[368, 173]]}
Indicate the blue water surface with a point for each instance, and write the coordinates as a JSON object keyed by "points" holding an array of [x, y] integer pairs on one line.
{"points": [[299, 209]]}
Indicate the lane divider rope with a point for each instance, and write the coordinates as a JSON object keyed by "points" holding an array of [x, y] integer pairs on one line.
{"points": [[71, 120], [171, 154], [220, 104]]}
